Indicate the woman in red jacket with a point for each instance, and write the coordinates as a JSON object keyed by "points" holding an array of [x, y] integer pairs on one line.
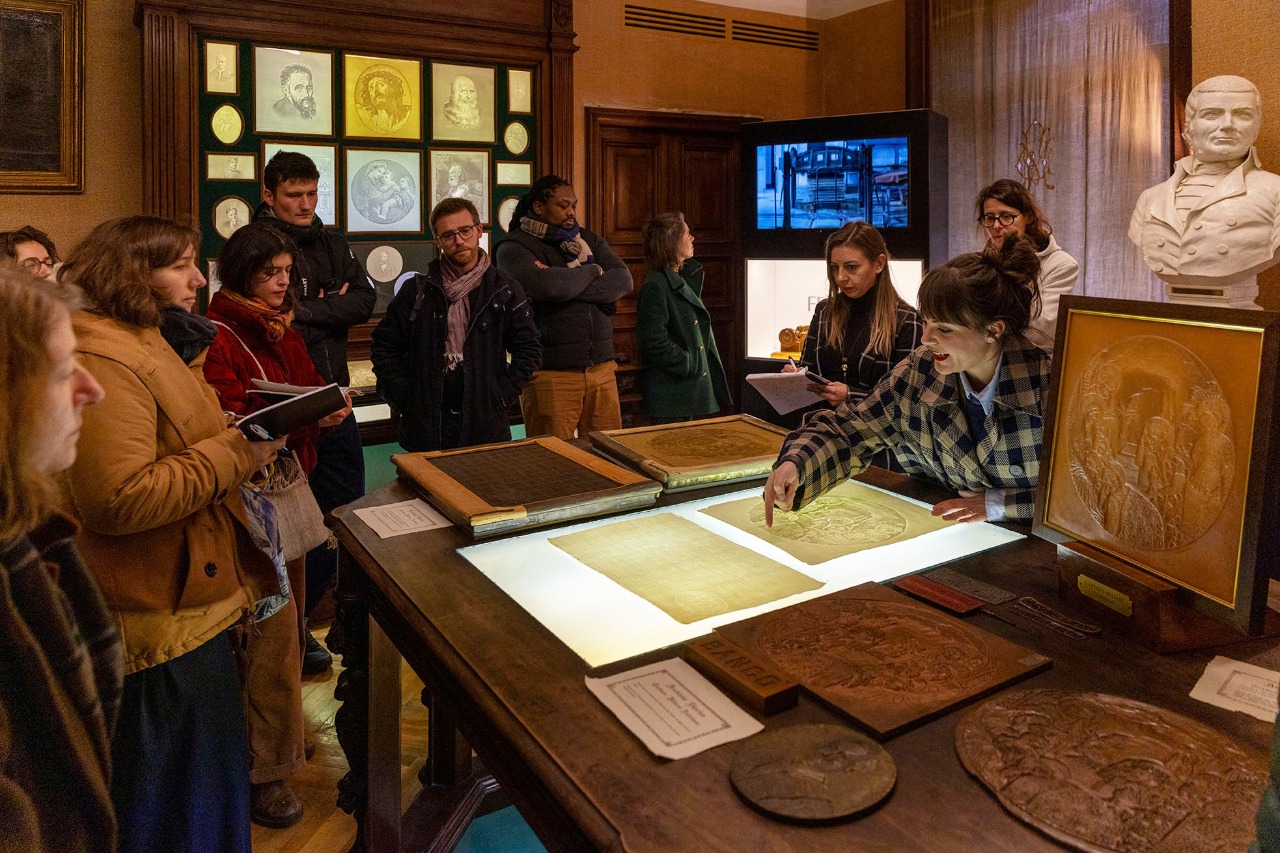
{"points": [[255, 340]]}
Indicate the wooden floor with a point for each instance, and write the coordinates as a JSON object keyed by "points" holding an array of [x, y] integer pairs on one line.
{"points": [[324, 827]]}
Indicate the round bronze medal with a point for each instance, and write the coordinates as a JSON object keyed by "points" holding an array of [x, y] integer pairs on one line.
{"points": [[813, 772]]}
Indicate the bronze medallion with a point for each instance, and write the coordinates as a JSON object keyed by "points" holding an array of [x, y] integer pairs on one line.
{"points": [[813, 772], [1103, 773]]}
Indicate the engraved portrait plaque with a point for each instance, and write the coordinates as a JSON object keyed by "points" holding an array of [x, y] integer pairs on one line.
{"points": [[850, 518], [813, 772], [887, 661], [1099, 772], [697, 453], [1157, 440]]}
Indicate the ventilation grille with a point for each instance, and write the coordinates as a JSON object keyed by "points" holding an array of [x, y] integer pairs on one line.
{"points": [[776, 36], [665, 20]]}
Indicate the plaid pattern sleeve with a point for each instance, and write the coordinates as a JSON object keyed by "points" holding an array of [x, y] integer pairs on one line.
{"points": [[919, 414]]}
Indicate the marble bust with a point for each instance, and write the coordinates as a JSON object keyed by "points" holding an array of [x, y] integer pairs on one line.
{"points": [[1215, 224]]}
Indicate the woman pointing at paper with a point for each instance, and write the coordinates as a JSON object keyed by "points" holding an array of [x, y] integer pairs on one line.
{"points": [[256, 340], [164, 528], [964, 410]]}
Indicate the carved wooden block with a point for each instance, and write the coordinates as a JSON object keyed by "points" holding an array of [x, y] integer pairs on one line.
{"points": [[750, 679]]}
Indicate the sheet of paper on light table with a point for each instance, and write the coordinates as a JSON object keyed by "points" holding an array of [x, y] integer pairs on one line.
{"points": [[603, 621]]}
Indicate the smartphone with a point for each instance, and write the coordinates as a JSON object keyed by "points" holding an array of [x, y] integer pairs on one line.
{"points": [[816, 378]]}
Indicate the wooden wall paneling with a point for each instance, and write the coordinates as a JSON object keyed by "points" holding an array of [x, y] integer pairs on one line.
{"points": [[169, 80]]}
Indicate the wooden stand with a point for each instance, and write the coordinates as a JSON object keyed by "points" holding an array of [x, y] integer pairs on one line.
{"points": [[1155, 613]]}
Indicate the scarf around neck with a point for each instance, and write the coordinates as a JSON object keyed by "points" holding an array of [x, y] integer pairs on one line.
{"points": [[189, 334], [457, 286], [275, 321], [563, 238]]}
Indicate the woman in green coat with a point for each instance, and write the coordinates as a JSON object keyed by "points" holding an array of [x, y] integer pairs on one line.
{"points": [[684, 378]]}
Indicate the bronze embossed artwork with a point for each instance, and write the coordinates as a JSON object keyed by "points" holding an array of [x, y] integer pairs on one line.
{"points": [[812, 772], [887, 661], [682, 568], [681, 456], [850, 518], [1151, 443], [1100, 772]]}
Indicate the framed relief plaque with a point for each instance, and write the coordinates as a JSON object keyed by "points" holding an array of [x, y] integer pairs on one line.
{"points": [[221, 67], [1160, 428], [462, 103], [231, 167], [519, 91], [227, 124], [384, 191], [516, 137], [461, 174], [383, 97], [292, 91]]}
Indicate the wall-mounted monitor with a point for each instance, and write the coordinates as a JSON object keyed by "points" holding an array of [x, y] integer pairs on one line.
{"points": [[804, 178]]}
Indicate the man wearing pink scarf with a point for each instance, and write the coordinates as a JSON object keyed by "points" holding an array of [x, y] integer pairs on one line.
{"points": [[441, 351]]}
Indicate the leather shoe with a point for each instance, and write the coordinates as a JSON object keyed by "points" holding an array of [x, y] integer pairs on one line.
{"points": [[316, 658], [274, 805]]}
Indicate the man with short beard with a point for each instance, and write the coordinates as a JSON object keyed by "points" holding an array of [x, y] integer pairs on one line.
{"points": [[463, 107], [298, 100]]}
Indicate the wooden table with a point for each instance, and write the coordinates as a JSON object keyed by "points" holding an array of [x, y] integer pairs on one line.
{"points": [[582, 781]]}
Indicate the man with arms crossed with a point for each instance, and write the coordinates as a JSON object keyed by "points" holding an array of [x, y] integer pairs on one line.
{"points": [[336, 295], [574, 280]]}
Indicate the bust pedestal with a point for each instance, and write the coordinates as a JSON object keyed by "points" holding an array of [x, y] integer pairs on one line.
{"points": [[1241, 294]]}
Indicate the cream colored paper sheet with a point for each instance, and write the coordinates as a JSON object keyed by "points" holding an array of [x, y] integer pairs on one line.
{"points": [[686, 570], [1239, 686], [411, 516], [850, 518], [673, 709]]}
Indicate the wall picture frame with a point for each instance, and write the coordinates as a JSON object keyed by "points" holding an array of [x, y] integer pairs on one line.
{"points": [[1160, 428], [462, 102], [231, 167], [382, 97], [230, 214], [520, 91], [383, 191], [222, 67], [459, 173], [510, 173], [326, 159], [391, 263], [506, 210], [292, 91], [516, 137], [42, 76]]}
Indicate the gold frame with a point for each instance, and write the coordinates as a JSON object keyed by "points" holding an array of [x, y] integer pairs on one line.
{"points": [[69, 176], [353, 124]]}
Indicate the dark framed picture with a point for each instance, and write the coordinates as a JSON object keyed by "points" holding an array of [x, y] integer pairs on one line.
{"points": [[221, 67], [292, 91], [230, 214], [382, 97], [384, 191], [461, 103], [326, 159], [1160, 430], [390, 264], [461, 174], [41, 96]]}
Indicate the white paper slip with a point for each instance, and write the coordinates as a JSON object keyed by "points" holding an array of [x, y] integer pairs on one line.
{"points": [[672, 709], [1239, 686], [786, 392], [409, 516]]}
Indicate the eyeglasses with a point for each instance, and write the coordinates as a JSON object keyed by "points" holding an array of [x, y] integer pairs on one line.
{"points": [[463, 233], [33, 265], [1005, 219]]}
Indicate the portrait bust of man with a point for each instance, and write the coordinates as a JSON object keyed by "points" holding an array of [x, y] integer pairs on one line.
{"points": [[220, 69], [463, 107], [380, 100], [1216, 221], [298, 101]]}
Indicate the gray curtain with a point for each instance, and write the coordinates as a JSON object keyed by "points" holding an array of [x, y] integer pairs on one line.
{"points": [[1094, 73]]}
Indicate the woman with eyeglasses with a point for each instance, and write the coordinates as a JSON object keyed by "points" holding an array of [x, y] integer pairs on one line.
{"points": [[32, 249], [964, 410], [253, 312], [1006, 207]]}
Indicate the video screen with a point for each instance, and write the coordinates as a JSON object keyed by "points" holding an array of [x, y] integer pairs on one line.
{"points": [[806, 185]]}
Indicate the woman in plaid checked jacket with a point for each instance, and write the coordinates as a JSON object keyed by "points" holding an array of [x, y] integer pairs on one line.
{"points": [[964, 410]]}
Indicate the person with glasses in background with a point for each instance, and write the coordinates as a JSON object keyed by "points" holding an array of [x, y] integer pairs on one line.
{"points": [[1006, 207], [441, 351], [32, 249]]}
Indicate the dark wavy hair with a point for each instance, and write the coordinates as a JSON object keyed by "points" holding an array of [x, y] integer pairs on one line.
{"points": [[1013, 194], [249, 250], [979, 288], [113, 266], [9, 241], [288, 166]]}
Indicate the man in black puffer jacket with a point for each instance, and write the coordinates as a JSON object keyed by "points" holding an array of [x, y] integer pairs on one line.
{"points": [[336, 295], [574, 281]]}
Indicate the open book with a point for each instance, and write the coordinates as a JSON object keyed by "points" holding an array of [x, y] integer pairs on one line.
{"points": [[294, 410]]}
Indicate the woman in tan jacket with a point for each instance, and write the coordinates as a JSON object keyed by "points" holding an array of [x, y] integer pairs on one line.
{"points": [[157, 489]]}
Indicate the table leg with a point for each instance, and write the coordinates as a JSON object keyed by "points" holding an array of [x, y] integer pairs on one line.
{"points": [[349, 639], [382, 821]]}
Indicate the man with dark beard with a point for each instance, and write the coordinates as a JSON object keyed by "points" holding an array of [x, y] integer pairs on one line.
{"points": [[381, 104], [298, 100]]}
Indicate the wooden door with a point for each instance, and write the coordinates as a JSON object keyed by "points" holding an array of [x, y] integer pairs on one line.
{"points": [[642, 163]]}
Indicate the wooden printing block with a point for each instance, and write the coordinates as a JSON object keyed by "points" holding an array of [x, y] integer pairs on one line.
{"points": [[751, 679]]}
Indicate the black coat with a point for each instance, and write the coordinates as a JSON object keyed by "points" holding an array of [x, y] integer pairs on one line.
{"points": [[573, 306], [326, 263], [408, 357]]}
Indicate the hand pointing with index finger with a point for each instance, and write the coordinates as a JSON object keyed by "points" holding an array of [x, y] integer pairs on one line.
{"points": [[780, 490]]}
